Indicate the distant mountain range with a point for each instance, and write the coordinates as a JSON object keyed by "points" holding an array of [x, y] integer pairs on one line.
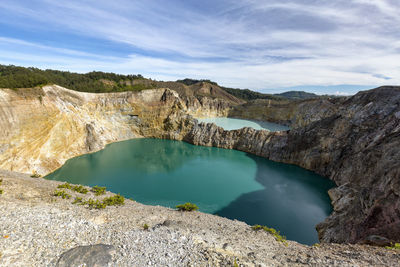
{"points": [[298, 95]]}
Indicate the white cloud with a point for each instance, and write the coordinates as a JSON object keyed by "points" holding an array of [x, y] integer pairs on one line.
{"points": [[320, 43], [338, 93]]}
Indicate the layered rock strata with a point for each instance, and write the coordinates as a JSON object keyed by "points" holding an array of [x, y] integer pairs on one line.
{"points": [[357, 147], [41, 128], [293, 113]]}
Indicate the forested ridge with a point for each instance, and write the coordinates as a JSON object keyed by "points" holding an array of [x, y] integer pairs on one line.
{"points": [[14, 77], [19, 77]]}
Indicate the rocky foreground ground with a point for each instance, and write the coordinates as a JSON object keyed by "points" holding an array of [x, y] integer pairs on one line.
{"points": [[39, 229]]}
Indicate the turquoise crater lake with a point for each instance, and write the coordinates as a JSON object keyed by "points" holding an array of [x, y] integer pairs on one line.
{"points": [[234, 124], [230, 183]]}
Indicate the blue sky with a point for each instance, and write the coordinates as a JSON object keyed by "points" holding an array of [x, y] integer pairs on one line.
{"points": [[336, 46]]}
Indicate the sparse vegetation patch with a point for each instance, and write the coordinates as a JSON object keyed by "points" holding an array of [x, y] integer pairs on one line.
{"points": [[80, 189], [272, 231], [35, 175], [76, 188], [116, 200], [65, 185], [187, 207], [62, 194], [98, 190], [78, 200], [95, 204], [395, 246]]}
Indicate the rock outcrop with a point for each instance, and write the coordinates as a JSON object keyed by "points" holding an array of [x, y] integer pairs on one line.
{"points": [[42, 128], [357, 147], [294, 113]]}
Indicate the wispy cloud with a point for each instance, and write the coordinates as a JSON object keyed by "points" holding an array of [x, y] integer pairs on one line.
{"points": [[338, 93], [243, 43]]}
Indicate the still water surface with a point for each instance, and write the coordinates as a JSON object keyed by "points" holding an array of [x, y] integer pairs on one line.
{"points": [[233, 124], [229, 183]]}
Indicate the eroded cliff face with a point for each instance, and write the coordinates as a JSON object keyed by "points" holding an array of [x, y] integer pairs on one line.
{"points": [[205, 107], [42, 128], [357, 147], [353, 141], [293, 113]]}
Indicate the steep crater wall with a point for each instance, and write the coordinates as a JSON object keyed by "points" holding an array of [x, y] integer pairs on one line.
{"points": [[42, 128], [356, 146], [353, 141]]}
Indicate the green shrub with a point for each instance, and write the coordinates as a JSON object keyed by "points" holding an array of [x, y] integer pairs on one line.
{"points": [[145, 226], [1, 191], [80, 189], [257, 227], [65, 185], [79, 201], [61, 193], [187, 207], [98, 190], [116, 200], [1, 181], [395, 246], [272, 231], [95, 204], [235, 264], [35, 175]]}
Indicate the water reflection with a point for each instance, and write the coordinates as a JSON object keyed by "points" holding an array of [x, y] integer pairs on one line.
{"points": [[230, 183], [293, 200], [233, 124]]}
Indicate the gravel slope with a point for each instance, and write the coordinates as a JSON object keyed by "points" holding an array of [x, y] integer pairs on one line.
{"points": [[36, 228]]}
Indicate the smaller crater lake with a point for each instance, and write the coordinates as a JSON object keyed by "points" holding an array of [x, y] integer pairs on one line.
{"points": [[234, 124], [229, 183]]}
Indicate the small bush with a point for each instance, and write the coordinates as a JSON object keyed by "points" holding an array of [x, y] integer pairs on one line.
{"points": [[116, 200], [65, 185], [187, 207], [95, 204], [98, 190], [80, 189], [395, 246], [272, 231], [78, 200], [1, 191], [257, 227], [35, 175], [146, 226], [1, 181], [61, 193]]}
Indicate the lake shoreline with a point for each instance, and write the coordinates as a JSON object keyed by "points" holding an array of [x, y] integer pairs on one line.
{"points": [[173, 237], [164, 172]]}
